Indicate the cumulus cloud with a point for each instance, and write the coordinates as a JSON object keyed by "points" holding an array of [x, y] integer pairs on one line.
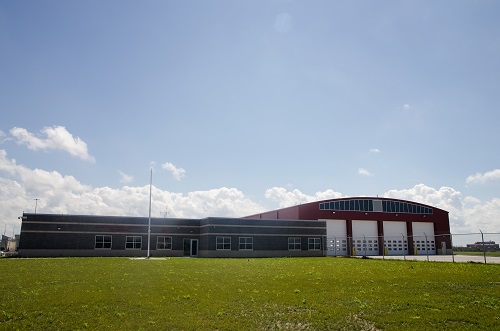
{"points": [[480, 178], [20, 185], [287, 198], [56, 138], [124, 178], [178, 173], [364, 172], [60, 194]]}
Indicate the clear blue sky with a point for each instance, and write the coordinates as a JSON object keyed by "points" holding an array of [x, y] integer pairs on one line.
{"points": [[253, 105]]}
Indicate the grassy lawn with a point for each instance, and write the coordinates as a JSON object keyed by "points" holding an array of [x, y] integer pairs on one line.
{"points": [[242, 294]]}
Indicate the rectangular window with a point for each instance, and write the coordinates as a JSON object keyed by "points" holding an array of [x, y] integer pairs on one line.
{"points": [[294, 244], [246, 243], [341, 205], [102, 242], [337, 205], [321, 206], [351, 205], [223, 243], [314, 244], [164, 242], [133, 242]]}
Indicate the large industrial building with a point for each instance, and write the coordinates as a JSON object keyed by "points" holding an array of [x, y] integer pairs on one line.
{"points": [[338, 227]]}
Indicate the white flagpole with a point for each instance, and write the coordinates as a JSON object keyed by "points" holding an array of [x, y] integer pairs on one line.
{"points": [[149, 222]]}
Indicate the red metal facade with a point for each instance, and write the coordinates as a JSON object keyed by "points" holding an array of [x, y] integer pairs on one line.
{"points": [[312, 211]]}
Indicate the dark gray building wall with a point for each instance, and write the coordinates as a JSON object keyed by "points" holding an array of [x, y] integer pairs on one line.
{"points": [[75, 235]]}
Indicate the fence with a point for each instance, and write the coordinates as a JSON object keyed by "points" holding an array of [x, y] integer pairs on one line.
{"points": [[472, 247]]}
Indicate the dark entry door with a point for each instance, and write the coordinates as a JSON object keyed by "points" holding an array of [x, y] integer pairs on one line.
{"points": [[187, 247], [194, 247]]}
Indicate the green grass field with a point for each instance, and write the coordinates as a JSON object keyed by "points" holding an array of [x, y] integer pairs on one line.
{"points": [[242, 294]]}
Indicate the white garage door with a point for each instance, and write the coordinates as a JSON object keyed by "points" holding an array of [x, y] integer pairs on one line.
{"points": [[336, 237], [423, 238], [365, 237], [395, 238]]}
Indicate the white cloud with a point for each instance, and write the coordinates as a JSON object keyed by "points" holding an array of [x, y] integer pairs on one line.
{"points": [[406, 106], [19, 186], [124, 178], [57, 138], [178, 173], [364, 172], [480, 178], [374, 150], [59, 194], [287, 198]]}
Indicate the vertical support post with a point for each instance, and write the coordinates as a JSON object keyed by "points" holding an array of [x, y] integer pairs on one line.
{"points": [[426, 248], [484, 249], [383, 246], [452, 252], [364, 245], [334, 246], [404, 247]]}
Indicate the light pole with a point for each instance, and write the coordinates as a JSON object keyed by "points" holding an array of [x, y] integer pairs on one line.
{"points": [[36, 203], [149, 221]]}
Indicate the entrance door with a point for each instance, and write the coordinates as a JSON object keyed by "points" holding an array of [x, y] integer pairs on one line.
{"points": [[194, 247], [190, 247], [187, 247]]}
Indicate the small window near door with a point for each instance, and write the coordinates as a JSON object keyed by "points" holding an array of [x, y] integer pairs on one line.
{"points": [[246, 243], [223, 243], [164, 243]]}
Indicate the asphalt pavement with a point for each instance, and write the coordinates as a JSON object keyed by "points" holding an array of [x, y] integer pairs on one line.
{"points": [[442, 258]]}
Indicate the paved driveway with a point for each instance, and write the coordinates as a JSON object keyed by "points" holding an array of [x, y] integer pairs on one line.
{"points": [[443, 258]]}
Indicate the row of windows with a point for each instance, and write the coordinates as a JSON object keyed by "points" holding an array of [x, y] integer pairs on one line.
{"points": [[222, 243], [375, 205], [246, 243], [132, 242]]}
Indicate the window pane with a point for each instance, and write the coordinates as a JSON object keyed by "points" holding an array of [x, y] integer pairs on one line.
{"points": [[337, 205], [351, 205]]}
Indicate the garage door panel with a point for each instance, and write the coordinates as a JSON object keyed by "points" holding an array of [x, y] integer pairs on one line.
{"points": [[336, 233], [365, 239], [395, 238], [423, 238]]}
